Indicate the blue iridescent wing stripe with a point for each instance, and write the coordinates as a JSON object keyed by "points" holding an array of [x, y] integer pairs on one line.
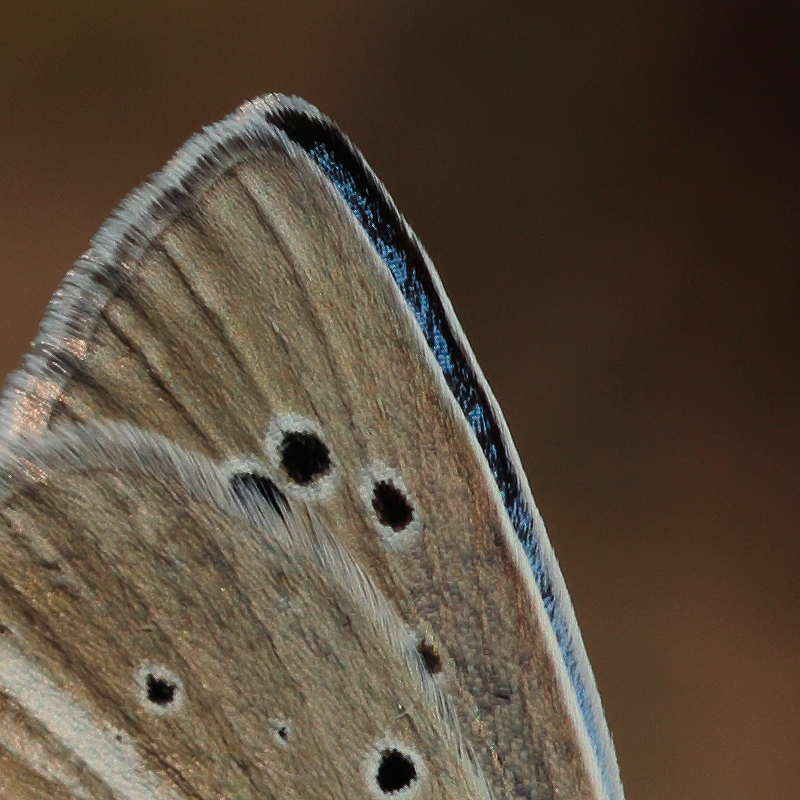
{"points": [[345, 168]]}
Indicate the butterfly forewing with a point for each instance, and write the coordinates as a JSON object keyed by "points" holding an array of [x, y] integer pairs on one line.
{"points": [[238, 307]]}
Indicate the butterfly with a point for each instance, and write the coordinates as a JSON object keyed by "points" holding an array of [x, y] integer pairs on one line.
{"points": [[263, 529]]}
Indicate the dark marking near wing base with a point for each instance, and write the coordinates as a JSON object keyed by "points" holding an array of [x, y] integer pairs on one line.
{"points": [[247, 484], [430, 655]]}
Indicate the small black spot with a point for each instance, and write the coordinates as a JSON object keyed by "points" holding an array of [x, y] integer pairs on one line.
{"points": [[391, 506], [283, 732], [395, 772], [304, 456], [160, 691], [503, 692], [248, 483], [430, 656]]}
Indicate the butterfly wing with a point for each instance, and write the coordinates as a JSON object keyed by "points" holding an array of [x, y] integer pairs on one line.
{"points": [[262, 302], [166, 636]]}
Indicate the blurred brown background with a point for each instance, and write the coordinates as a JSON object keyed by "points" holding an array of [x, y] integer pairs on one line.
{"points": [[610, 192]]}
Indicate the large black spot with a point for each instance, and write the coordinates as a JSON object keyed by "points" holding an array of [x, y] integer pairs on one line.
{"points": [[160, 691], [304, 457], [396, 771], [391, 506]]}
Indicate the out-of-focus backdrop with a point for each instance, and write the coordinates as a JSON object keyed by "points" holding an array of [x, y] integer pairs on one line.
{"points": [[611, 193]]}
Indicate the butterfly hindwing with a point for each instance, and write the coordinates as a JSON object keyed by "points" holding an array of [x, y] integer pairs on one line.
{"points": [[168, 635]]}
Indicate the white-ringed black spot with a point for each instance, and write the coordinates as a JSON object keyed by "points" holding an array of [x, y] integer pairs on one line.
{"points": [[304, 457], [396, 771], [160, 690], [391, 506], [282, 731], [299, 453]]}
